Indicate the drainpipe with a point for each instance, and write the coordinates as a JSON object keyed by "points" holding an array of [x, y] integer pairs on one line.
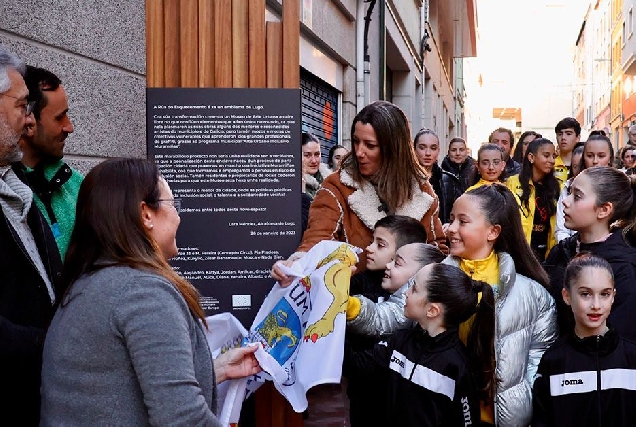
{"points": [[363, 61], [367, 58], [360, 42], [382, 50]]}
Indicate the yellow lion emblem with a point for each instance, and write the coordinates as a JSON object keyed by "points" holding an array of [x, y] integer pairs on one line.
{"points": [[274, 329], [337, 279]]}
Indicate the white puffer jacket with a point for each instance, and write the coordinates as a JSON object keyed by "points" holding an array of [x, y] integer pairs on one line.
{"points": [[525, 326]]}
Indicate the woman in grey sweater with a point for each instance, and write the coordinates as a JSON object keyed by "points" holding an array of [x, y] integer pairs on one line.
{"points": [[126, 345]]}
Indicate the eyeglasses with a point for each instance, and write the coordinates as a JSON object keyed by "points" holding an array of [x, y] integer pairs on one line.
{"points": [[176, 202], [28, 107], [488, 163]]}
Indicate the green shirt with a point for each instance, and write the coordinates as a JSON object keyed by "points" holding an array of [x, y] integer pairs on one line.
{"points": [[63, 202]]}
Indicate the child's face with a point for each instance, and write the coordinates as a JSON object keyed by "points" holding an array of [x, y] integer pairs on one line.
{"points": [[567, 139], [427, 149], [591, 299], [579, 207], [597, 153], [543, 160], [491, 165], [416, 305], [402, 268], [382, 250], [576, 163], [471, 236]]}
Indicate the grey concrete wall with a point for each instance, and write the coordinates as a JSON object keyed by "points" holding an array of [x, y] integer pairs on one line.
{"points": [[98, 49]]}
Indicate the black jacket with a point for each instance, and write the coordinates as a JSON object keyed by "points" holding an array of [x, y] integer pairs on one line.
{"points": [[465, 173], [622, 258], [512, 167], [586, 382], [455, 180], [25, 314], [446, 187], [366, 393], [429, 380]]}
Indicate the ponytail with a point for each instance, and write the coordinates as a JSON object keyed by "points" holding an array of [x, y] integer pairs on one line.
{"points": [[629, 231], [481, 341]]}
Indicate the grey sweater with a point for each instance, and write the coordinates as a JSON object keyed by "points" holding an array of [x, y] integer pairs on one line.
{"points": [[124, 350]]}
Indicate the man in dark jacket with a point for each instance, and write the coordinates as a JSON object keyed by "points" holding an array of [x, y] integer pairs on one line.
{"points": [[29, 261]]}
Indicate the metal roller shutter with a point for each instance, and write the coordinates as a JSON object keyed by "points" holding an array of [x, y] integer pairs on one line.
{"points": [[319, 110]]}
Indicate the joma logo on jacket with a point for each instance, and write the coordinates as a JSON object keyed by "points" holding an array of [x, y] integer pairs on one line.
{"points": [[571, 382]]}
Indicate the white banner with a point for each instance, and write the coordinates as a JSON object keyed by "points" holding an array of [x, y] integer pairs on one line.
{"points": [[301, 329], [302, 326]]}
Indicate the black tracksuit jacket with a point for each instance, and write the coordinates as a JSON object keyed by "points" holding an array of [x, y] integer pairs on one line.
{"points": [[586, 382], [429, 382]]}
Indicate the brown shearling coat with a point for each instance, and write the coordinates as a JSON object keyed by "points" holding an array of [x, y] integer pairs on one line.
{"points": [[346, 211]]}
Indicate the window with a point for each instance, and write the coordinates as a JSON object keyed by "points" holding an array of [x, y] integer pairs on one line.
{"points": [[630, 23], [623, 35]]}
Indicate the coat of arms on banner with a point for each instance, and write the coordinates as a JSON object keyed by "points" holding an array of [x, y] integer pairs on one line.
{"points": [[301, 327]]}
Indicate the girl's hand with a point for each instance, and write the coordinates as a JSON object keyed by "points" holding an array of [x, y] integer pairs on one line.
{"points": [[282, 279], [236, 363]]}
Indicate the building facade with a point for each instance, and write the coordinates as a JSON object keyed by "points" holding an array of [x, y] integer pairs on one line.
{"points": [[352, 52], [604, 94]]}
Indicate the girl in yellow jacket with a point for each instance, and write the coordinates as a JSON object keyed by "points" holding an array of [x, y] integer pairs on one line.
{"points": [[490, 166], [537, 191]]}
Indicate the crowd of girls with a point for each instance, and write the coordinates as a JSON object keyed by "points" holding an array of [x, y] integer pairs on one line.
{"points": [[541, 260]]}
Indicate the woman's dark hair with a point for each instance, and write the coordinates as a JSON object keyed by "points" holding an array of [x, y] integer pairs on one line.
{"points": [[518, 152], [597, 137], [551, 186], [499, 206], [307, 138], [332, 151], [109, 227], [613, 186], [458, 294], [489, 147], [575, 267], [400, 170]]}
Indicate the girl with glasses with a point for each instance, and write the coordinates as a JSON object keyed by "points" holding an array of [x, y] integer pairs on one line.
{"points": [[490, 166]]}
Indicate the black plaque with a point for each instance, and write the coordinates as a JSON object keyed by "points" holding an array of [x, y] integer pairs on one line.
{"points": [[233, 157]]}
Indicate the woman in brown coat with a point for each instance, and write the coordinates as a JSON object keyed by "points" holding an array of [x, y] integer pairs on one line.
{"points": [[380, 176]]}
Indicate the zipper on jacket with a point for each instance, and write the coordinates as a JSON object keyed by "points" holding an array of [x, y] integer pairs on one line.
{"points": [[598, 380]]}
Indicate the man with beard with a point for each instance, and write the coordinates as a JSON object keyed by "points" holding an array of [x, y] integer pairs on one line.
{"points": [[54, 183], [29, 261]]}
